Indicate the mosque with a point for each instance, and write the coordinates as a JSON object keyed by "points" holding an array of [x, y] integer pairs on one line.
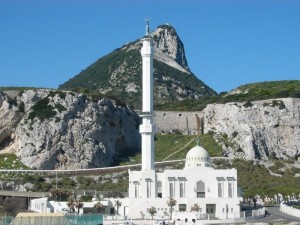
{"points": [[197, 187], [196, 190]]}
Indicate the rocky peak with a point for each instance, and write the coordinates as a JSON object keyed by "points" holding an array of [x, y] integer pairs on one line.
{"points": [[119, 74], [167, 41]]}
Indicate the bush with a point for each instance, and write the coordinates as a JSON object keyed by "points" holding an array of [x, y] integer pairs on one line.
{"points": [[42, 110], [13, 205], [21, 107]]}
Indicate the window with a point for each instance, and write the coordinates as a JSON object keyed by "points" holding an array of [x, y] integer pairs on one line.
{"points": [[200, 189], [230, 190], [181, 191], [182, 207], [220, 190], [136, 189], [148, 189], [159, 193], [171, 190]]}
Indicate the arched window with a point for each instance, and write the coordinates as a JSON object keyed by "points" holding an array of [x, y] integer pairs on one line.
{"points": [[200, 189], [136, 189], [171, 190], [220, 191], [159, 194], [230, 190], [181, 191]]}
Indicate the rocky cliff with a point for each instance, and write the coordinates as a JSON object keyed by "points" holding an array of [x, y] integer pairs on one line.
{"points": [[252, 130], [51, 130], [256, 130], [54, 129]]}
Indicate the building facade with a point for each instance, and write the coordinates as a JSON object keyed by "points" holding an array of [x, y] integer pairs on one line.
{"points": [[198, 187]]}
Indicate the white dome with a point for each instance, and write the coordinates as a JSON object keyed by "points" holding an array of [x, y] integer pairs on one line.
{"points": [[197, 157]]}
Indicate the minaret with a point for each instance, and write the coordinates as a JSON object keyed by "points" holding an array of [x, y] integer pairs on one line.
{"points": [[147, 126]]}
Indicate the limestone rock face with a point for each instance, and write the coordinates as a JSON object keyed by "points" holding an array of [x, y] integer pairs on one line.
{"points": [[258, 130], [68, 131], [168, 43], [10, 116]]}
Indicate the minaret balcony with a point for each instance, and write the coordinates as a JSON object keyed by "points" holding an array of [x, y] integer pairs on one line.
{"points": [[147, 128]]}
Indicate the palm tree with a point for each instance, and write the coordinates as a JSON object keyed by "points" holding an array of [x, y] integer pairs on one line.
{"points": [[71, 204], [99, 207], [118, 204], [171, 202], [78, 205], [195, 208], [152, 211]]}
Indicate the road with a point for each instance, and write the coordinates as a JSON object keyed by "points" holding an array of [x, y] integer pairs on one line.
{"points": [[24, 194], [275, 215]]}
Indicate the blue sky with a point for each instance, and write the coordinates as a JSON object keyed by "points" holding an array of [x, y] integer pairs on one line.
{"points": [[228, 43]]}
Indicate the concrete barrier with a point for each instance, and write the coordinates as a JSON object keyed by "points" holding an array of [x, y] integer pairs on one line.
{"points": [[289, 210]]}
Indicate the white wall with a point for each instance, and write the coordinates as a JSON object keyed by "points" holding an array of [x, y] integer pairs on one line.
{"points": [[40, 205], [289, 210]]}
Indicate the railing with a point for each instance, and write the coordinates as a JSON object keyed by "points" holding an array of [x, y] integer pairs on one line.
{"points": [[95, 219], [90, 170], [6, 220]]}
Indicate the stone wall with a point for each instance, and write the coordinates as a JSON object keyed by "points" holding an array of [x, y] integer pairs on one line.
{"points": [[179, 122]]}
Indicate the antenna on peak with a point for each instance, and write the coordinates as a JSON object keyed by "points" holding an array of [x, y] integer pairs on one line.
{"points": [[147, 26]]}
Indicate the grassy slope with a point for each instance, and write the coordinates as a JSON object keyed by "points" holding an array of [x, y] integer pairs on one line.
{"points": [[249, 92]]}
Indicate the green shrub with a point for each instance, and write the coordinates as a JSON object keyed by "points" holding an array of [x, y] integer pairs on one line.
{"points": [[12, 101], [86, 198], [248, 104], [59, 107], [21, 107], [42, 110]]}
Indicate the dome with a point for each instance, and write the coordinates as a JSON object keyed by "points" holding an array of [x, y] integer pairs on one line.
{"points": [[197, 157]]}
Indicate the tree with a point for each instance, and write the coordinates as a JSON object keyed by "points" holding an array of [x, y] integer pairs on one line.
{"points": [[254, 199], [152, 211], [59, 194], [71, 204], [195, 208], [99, 207], [171, 203], [78, 205], [13, 205], [118, 204]]}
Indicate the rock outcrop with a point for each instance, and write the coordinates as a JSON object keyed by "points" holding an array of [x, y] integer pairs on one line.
{"points": [[51, 130], [256, 130], [66, 130]]}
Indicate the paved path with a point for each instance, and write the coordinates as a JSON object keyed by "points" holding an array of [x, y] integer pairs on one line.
{"points": [[275, 215]]}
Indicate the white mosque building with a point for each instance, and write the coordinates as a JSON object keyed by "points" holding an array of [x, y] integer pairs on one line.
{"points": [[198, 185]]}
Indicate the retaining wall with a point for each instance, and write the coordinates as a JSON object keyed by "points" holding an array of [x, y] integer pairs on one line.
{"points": [[182, 122]]}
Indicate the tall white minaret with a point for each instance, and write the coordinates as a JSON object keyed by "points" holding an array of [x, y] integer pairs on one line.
{"points": [[147, 127]]}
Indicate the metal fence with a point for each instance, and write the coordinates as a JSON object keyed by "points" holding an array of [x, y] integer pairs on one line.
{"points": [[6, 220], [94, 219]]}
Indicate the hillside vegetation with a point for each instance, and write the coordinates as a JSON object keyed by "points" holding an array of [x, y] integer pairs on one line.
{"points": [[245, 93], [119, 73], [253, 177]]}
